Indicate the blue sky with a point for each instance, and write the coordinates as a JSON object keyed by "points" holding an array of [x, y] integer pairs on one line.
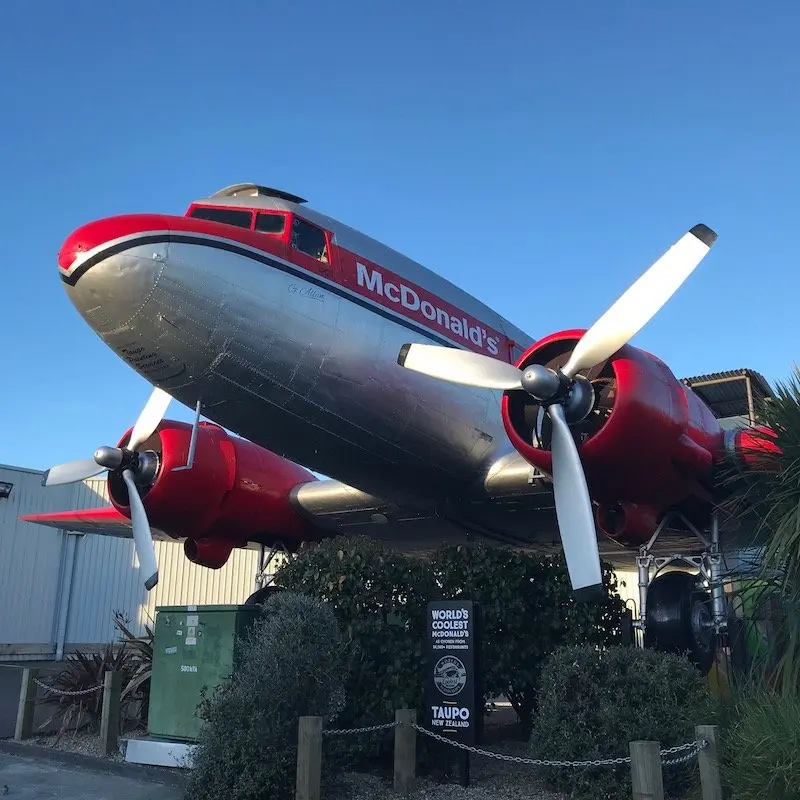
{"points": [[540, 155]]}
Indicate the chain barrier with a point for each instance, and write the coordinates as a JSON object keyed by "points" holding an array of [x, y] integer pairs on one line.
{"points": [[344, 731], [64, 693], [691, 748], [694, 749]]}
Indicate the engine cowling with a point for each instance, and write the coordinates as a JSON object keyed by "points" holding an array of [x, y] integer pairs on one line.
{"points": [[648, 444], [235, 492]]}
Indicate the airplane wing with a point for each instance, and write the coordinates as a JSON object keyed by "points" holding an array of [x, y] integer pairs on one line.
{"points": [[106, 520], [510, 492]]}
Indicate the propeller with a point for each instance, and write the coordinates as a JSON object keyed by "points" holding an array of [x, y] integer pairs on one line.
{"points": [[131, 464], [567, 396]]}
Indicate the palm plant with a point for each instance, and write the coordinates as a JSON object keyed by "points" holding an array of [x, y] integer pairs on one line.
{"points": [[765, 496]]}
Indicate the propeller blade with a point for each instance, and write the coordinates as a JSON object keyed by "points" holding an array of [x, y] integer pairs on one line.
{"points": [[151, 415], [574, 511], [72, 472], [641, 301], [460, 366], [142, 536]]}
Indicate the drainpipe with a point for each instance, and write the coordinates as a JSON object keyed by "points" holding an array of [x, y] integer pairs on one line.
{"points": [[65, 594]]}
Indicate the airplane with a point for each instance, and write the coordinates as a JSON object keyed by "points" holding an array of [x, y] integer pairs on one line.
{"points": [[323, 351]]}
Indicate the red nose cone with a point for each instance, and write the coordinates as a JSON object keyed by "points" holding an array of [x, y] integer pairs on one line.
{"points": [[105, 231]]}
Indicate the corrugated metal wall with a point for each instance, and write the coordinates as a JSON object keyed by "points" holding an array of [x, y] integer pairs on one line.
{"points": [[47, 594]]}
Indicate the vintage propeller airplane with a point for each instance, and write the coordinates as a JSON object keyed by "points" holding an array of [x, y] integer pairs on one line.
{"points": [[433, 416]]}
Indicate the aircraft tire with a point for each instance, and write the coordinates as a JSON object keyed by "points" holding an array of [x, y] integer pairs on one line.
{"points": [[261, 595], [679, 617]]}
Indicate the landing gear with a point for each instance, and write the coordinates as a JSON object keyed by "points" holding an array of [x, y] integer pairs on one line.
{"points": [[264, 586], [260, 596], [679, 618], [680, 611]]}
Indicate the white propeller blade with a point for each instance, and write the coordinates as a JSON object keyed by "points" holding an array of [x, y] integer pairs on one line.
{"points": [[460, 366], [142, 536], [574, 509], [642, 300], [72, 472], [151, 415]]}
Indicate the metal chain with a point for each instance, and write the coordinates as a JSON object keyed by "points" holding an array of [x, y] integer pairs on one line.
{"points": [[368, 729], [535, 762], [64, 693], [693, 749]]}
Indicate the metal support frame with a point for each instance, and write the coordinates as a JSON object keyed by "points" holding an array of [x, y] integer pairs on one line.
{"points": [[266, 556], [709, 564]]}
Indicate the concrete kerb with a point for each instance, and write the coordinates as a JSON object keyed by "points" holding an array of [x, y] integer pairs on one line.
{"points": [[31, 752]]}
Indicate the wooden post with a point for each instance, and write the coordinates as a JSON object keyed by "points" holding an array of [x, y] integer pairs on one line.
{"points": [[647, 779], [110, 713], [708, 760], [405, 751], [309, 758], [26, 708]]}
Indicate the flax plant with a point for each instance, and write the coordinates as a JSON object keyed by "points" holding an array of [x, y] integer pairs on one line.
{"points": [[765, 496]]}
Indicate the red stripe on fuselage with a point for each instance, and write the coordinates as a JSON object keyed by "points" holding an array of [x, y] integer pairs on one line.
{"points": [[392, 291], [349, 270]]}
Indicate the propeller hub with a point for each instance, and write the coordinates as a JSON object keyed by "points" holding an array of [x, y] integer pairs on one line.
{"points": [[541, 382], [144, 466], [109, 457]]}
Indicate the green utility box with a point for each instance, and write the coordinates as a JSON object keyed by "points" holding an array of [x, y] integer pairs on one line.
{"points": [[194, 647]]}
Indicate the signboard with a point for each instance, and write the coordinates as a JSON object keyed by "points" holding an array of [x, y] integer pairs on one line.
{"points": [[454, 706]]}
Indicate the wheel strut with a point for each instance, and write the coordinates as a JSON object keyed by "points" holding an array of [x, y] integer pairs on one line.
{"points": [[709, 564], [266, 556]]}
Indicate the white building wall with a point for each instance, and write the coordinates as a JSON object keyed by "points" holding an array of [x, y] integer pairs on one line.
{"points": [[60, 590], [628, 589]]}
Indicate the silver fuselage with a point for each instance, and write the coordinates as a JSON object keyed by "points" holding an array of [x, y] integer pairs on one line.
{"points": [[296, 363]]}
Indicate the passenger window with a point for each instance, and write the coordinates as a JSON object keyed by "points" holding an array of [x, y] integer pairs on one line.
{"points": [[270, 223], [228, 216], [309, 239]]}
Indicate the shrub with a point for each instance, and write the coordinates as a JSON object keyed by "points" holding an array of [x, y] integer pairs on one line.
{"points": [[762, 748], [527, 612], [291, 665], [379, 598], [593, 703]]}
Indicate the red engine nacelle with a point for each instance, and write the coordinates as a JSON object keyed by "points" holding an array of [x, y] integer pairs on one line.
{"points": [[649, 443], [234, 493]]}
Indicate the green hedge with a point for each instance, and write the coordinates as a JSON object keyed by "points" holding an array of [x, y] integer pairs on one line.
{"points": [[380, 597], [594, 702]]}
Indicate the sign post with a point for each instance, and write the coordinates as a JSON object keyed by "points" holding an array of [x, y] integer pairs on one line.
{"points": [[454, 707]]}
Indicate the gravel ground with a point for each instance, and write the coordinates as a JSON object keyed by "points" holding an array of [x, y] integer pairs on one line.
{"points": [[489, 779]]}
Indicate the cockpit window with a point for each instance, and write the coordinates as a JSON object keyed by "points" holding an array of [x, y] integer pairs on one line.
{"points": [[270, 223], [227, 216], [309, 239]]}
